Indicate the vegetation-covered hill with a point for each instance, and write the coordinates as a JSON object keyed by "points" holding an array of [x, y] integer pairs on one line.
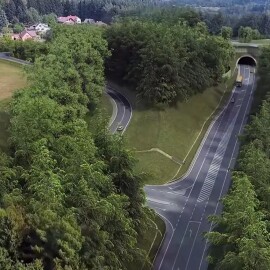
{"points": [[69, 198], [167, 61]]}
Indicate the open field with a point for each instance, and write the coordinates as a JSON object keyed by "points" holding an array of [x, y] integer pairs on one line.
{"points": [[11, 79]]}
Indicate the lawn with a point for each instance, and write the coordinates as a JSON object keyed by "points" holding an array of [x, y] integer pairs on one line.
{"points": [[106, 105], [173, 130], [11, 79], [156, 166]]}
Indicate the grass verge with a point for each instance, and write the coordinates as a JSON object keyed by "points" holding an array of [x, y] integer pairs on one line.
{"points": [[105, 106], [150, 242], [157, 167], [183, 169], [11, 79]]}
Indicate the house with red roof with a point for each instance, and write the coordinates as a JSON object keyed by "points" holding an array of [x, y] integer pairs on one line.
{"points": [[25, 34], [69, 20]]}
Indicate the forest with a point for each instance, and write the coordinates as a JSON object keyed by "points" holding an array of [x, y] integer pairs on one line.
{"points": [[241, 237], [167, 62], [22, 11], [229, 6], [69, 196], [214, 20]]}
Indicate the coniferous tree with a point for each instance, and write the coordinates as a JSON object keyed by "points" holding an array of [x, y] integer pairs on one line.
{"points": [[3, 19]]}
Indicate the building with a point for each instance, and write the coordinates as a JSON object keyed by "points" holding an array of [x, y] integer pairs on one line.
{"points": [[25, 34], [40, 28], [89, 21], [100, 23], [69, 20]]}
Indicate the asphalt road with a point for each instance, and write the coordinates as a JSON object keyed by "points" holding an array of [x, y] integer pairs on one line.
{"points": [[122, 111], [186, 203], [4, 55]]}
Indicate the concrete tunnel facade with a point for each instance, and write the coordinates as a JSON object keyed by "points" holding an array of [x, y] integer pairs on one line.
{"points": [[247, 60]]}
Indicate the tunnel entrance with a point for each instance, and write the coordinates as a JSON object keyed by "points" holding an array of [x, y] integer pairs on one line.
{"points": [[247, 60]]}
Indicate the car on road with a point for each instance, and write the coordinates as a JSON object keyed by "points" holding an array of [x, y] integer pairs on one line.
{"points": [[120, 128], [232, 100]]}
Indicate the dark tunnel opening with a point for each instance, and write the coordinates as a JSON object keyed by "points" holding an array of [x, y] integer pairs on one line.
{"points": [[247, 60]]}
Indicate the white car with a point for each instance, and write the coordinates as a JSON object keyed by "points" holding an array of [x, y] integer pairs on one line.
{"points": [[120, 128]]}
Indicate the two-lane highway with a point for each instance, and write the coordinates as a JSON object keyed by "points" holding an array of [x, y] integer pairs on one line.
{"points": [[186, 203]]}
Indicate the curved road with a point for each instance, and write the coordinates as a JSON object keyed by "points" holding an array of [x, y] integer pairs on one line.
{"points": [[122, 110], [186, 203]]}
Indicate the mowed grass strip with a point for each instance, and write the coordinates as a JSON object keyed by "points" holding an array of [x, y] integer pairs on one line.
{"points": [[150, 242], [12, 78]]}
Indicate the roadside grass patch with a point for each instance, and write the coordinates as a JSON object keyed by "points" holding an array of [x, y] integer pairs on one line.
{"points": [[150, 242], [156, 166], [11, 79], [259, 42], [106, 105]]}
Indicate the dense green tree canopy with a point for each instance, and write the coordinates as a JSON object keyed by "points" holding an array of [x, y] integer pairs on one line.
{"points": [[30, 10], [166, 62], [69, 198]]}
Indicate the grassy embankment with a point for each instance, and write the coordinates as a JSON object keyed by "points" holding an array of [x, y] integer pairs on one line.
{"points": [[177, 131], [11, 79]]}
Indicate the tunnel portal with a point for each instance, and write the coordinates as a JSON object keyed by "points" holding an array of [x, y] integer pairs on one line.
{"points": [[247, 60]]}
